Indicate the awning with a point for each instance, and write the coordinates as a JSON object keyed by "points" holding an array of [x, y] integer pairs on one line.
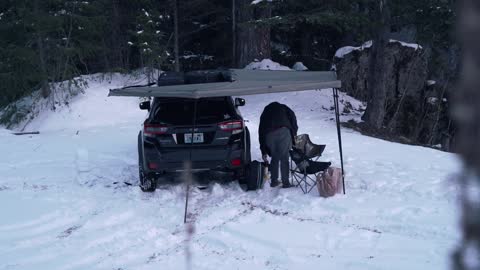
{"points": [[247, 82]]}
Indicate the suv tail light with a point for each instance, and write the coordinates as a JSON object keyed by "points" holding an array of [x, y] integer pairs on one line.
{"points": [[234, 126], [154, 129], [152, 166], [236, 162]]}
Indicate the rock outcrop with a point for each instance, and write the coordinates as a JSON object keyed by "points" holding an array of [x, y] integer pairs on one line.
{"points": [[415, 107]]}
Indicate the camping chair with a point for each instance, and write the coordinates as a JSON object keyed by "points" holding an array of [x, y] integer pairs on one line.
{"points": [[304, 166]]}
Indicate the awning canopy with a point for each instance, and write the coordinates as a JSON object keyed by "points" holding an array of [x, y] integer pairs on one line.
{"points": [[246, 82]]}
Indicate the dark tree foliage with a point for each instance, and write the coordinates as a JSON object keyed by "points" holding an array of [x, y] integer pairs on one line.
{"points": [[310, 31], [46, 41], [432, 19]]}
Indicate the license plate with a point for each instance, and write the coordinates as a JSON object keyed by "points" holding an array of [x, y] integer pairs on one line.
{"points": [[197, 137]]}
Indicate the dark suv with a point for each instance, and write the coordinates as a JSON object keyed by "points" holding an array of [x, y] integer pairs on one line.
{"points": [[215, 139]]}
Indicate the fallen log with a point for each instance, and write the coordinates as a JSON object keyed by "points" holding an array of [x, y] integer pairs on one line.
{"points": [[27, 133]]}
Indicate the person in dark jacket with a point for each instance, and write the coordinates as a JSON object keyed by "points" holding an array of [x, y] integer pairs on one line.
{"points": [[277, 130]]}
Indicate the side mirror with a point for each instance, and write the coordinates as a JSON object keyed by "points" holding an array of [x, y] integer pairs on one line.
{"points": [[239, 102], [145, 105]]}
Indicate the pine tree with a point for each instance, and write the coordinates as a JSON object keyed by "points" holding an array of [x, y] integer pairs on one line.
{"points": [[150, 39]]}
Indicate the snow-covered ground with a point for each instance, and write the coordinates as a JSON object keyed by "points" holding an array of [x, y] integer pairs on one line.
{"points": [[67, 203]]}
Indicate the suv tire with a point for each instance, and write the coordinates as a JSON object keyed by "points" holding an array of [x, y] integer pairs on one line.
{"points": [[147, 184]]}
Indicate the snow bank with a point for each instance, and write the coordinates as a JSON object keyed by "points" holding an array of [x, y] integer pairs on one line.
{"points": [[19, 113], [94, 108], [299, 66], [4, 132], [340, 53], [266, 64], [75, 105]]}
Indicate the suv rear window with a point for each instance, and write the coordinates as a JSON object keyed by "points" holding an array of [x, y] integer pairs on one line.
{"points": [[179, 111]]}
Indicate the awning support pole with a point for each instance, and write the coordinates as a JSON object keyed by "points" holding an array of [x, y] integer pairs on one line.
{"points": [[337, 119], [188, 174], [186, 200]]}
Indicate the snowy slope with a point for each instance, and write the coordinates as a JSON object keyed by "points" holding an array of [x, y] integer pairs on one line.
{"points": [[93, 108], [34, 106], [65, 204]]}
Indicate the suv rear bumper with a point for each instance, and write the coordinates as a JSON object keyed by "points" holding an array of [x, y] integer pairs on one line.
{"points": [[169, 167], [162, 162]]}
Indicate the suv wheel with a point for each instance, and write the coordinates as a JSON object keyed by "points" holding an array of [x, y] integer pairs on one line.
{"points": [[147, 184]]}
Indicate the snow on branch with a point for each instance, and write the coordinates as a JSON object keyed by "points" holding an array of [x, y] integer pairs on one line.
{"points": [[254, 2]]}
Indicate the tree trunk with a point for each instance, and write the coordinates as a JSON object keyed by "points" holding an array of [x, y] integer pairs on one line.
{"points": [[375, 112], [67, 46], [116, 36], [106, 61], [45, 88], [234, 34], [467, 114], [253, 39], [175, 22], [306, 41]]}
